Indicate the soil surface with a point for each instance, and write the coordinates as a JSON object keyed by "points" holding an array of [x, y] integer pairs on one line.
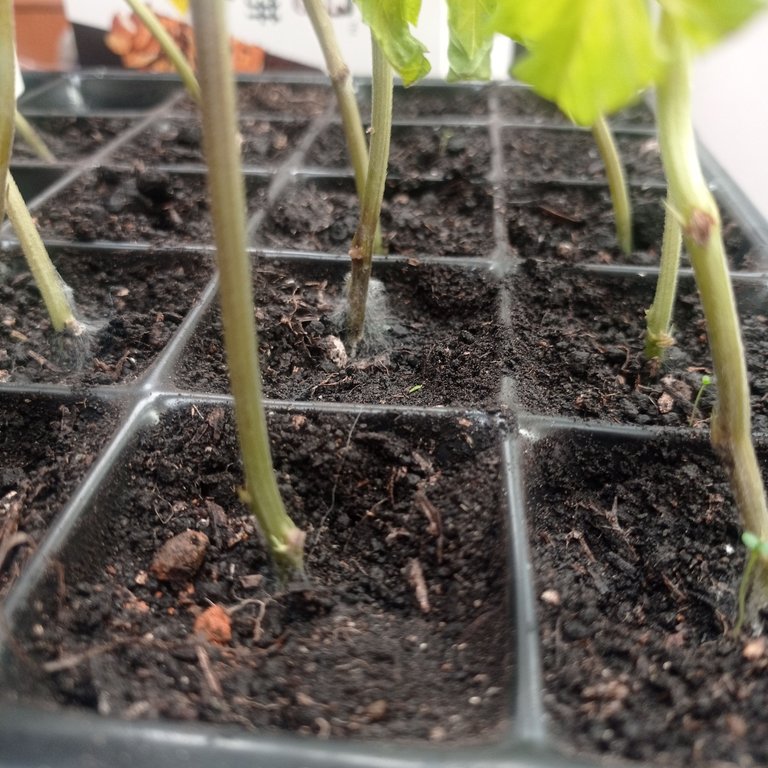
{"points": [[437, 340], [572, 224], [637, 560], [434, 152], [276, 99], [132, 301], [171, 141], [523, 105], [454, 218], [577, 341], [46, 445], [142, 205], [399, 632], [71, 138], [429, 101], [534, 154]]}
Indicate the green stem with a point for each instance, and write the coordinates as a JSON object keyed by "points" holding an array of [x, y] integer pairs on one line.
{"points": [[361, 251], [7, 94], [658, 333], [746, 581], [227, 192], [617, 184], [52, 288], [171, 50], [32, 137], [700, 221], [341, 80]]}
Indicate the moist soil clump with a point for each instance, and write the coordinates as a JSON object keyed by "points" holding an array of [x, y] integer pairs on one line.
{"points": [[539, 154], [71, 138], [46, 446], [438, 341], [577, 348], [573, 224], [173, 141], [417, 218], [132, 302], [434, 152], [637, 561], [398, 632], [150, 205]]}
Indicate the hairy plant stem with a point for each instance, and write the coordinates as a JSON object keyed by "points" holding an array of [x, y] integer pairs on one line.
{"points": [[361, 251], [7, 94], [227, 191], [32, 138], [700, 223], [170, 49], [658, 332], [341, 80], [617, 183], [54, 291]]}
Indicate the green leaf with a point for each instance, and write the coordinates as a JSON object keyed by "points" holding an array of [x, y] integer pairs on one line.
{"points": [[704, 22], [526, 21], [591, 57], [470, 39], [750, 540], [390, 22]]}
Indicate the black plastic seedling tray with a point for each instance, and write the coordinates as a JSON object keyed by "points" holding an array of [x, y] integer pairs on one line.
{"points": [[496, 271]]}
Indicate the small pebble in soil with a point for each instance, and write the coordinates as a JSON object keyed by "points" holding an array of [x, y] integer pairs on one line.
{"points": [[179, 558]]}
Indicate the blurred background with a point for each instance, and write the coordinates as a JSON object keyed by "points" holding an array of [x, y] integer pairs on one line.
{"points": [[730, 89]]}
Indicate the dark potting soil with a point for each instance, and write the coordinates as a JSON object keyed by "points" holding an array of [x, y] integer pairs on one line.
{"points": [[46, 446], [140, 205], [521, 104], [534, 154], [452, 218], [637, 560], [573, 224], [275, 99], [434, 152], [170, 141], [439, 339], [132, 301], [398, 633], [71, 138], [577, 342], [429, 101]]}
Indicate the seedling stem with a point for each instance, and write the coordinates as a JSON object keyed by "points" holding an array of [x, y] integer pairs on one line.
{"points": [[658, 333], [700, 222], [32, 138], [7, 94], [227, 192], [361, 251], [617, 184]]}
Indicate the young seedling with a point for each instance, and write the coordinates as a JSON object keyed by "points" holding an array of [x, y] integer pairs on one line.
{"points": [[32, 138], [595, 56], [57, 296], [757, 550], [705, 382], [227, 192]]}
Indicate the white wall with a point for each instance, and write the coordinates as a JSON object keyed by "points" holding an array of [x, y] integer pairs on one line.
{"points": [[730, 107]]}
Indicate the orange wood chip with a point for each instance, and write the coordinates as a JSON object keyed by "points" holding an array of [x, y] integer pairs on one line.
{"points": [[214, 625]]}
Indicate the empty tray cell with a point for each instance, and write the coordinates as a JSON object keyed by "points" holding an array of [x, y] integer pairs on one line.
{"points": [[170, 141], [286, 100], [572, 224], [424, 101], [428, 151], [71, 138], [539, 154], [140, 205], [418, 218], [133, 302]]}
